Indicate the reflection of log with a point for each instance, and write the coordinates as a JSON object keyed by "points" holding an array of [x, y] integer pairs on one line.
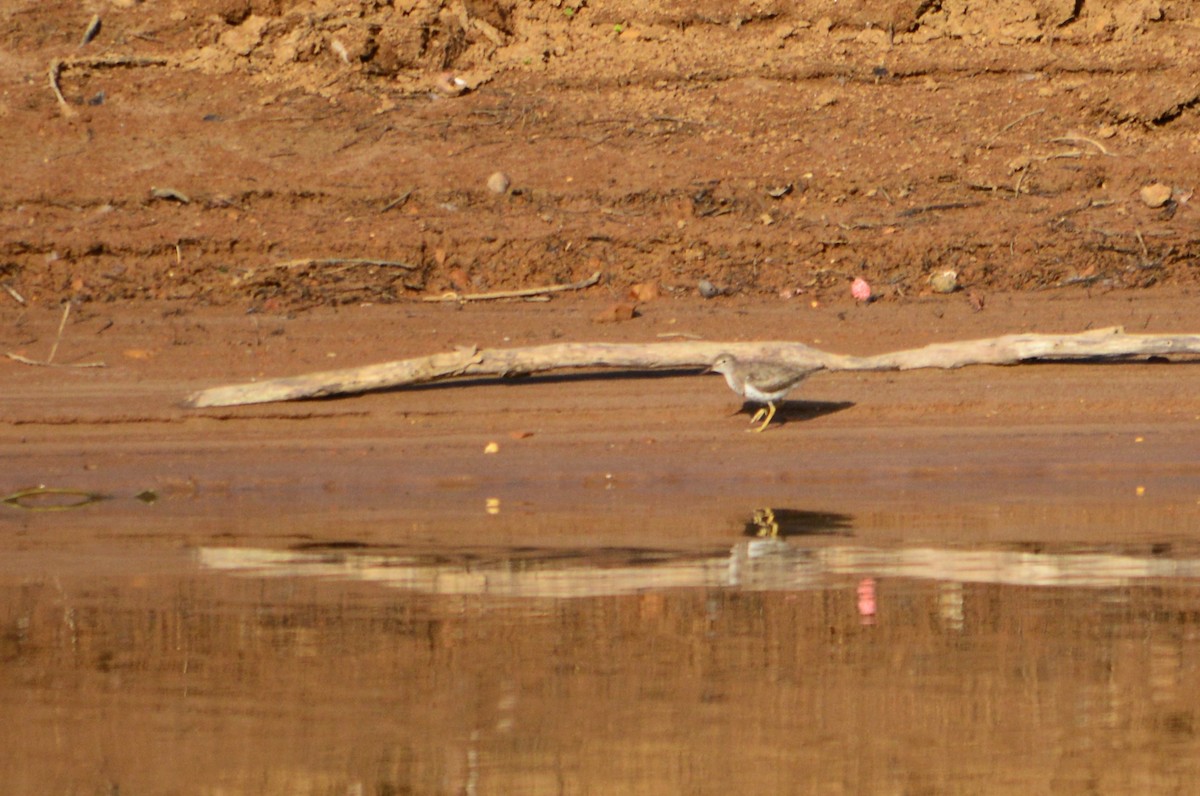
{"points": [[1100, 344], [751, 566]]}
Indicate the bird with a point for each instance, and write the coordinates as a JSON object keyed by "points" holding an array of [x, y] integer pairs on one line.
{"points": [[759, 382]]}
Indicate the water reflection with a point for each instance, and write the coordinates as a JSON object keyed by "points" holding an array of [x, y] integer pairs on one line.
{"points": [[781, 523], [809, 662], [769, 563]]}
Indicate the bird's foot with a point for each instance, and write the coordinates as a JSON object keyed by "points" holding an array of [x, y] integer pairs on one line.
{"points": [[765, 414]]}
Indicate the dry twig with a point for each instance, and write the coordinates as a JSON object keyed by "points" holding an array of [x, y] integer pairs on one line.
{"points": [[56, 68], [16, 296], [90, 32], [60, 65], [304, 262], [1078, 139], [49, 362], [1011, 125], [523, 293]]}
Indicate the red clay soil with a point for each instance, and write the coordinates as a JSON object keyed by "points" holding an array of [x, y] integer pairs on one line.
{"points": [[257, 188], [202, 149]]}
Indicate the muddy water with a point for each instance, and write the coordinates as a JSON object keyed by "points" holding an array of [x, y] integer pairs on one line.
{"points": [[274, 643]]}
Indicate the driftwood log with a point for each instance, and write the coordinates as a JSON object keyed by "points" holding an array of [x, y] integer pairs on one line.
{"points": [[1100, 344]]}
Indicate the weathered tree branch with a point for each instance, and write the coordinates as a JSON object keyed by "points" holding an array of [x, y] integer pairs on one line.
{"points": [[1101, 344]]}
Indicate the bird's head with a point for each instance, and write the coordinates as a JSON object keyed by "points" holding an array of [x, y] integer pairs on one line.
{"points": [[721, 364]]}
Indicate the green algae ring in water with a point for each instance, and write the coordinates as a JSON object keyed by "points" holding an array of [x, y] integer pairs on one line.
{"points": [[42, 498]]}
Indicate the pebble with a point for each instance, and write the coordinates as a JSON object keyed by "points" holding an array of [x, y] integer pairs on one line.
{"points": [[450, 85], [499, 183], [708, 289], [1155, 195], [944, 282], [860, 289], [616, 313], [644, 291]]}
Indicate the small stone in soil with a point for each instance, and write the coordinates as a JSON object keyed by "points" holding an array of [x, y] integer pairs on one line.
{"points": [[499, 183]]}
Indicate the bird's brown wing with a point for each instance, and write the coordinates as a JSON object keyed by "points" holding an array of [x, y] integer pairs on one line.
{"points": [[770, 378]]}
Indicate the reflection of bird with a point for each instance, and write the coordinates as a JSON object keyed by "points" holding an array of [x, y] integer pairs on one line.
{"points": [[759, 382]]}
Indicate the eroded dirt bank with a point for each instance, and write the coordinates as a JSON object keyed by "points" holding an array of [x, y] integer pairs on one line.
{"points": [[203, 151]]}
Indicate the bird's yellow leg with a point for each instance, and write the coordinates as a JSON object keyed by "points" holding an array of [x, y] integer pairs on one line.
{"points": [[769, 411]]}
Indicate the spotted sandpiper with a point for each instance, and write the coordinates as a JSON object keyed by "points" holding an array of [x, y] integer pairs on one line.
{"points": [[759, 382]]}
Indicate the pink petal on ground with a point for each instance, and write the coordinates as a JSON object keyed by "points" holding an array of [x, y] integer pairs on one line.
{"points": [[860, 289]]}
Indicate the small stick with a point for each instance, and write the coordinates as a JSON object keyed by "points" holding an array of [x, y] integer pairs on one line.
{"points": [[49, 363], [1067, 154], [27, 361], [1088, 205], [58, 338], [89, 33], [532, 291], [307, 261], [56, 67], [17, 296], [60, 65], [1020, 180], [399, 201], [1075, 139], [1011, 125], [1020, 119], [916, 211]]}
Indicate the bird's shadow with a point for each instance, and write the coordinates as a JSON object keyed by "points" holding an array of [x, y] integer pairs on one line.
{"points": [[800, 411], [785, 411]]}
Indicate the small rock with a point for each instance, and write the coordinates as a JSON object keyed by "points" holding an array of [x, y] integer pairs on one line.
{"points": [[644, 291], [170, 194], [616, 313], [499, 183], [449, 84], [860, 289], [1155, 195], [825, 99], [340, 50], [708, 289], [944, 282]]}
